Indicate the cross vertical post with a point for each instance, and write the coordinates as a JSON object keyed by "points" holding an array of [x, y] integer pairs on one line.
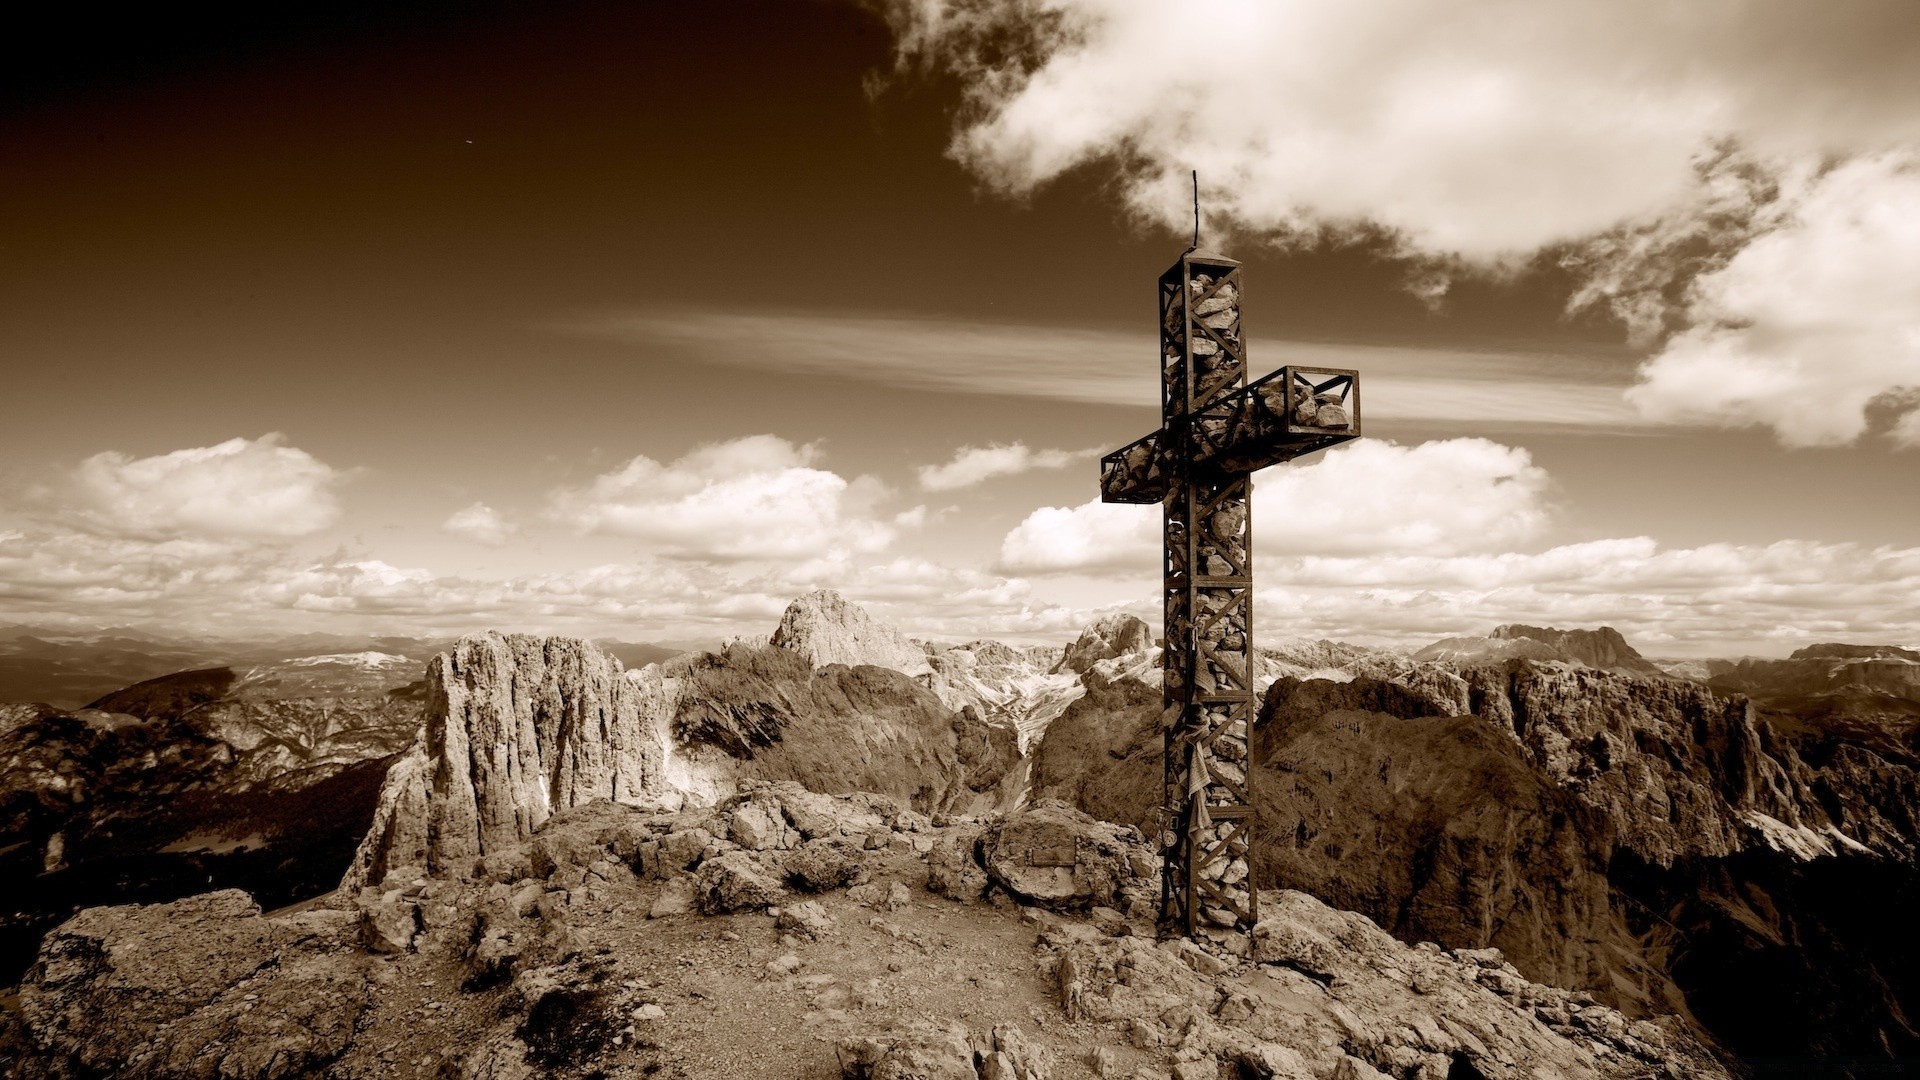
{"points": [[1216, 430]]}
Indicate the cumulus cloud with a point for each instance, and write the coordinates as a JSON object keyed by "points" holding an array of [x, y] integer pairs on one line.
{"points": [[1441, 497], [480, 523], [243, 488], [1480, 128], [1092, 536], [1815, 318], [758, 497], [1710, 600], [974, 464]]}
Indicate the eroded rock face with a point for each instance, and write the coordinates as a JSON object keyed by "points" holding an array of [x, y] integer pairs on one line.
{"points": [[1104, 753], [823, 628], [1596, 826], [516, 727], [1440, 828]]}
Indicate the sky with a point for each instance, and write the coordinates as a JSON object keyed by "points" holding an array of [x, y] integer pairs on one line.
{"points": [[640, 319]]}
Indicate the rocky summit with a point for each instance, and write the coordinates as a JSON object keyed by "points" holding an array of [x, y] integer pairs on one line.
{"points": [[823, 628], [787, 934]]}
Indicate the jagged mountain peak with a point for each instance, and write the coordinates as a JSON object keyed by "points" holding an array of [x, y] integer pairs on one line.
{"points": [[825, 628], [1111, 635]]}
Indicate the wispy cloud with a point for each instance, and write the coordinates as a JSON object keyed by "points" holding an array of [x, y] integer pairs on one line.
{"points": [[976, 464], [1482, 390]]}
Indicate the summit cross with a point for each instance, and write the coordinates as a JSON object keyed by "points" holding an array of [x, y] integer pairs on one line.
{"points": [[1216, 430]]}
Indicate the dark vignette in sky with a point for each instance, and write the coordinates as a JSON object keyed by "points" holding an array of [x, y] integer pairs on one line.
{"points": [[496, 271]]}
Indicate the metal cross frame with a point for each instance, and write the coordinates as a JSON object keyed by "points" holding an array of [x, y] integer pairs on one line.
{"points": [[1217, 429]]}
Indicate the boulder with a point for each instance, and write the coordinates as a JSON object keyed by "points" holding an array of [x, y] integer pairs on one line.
{"points": [[388, 921], [1054, 856], [734, 882], [953, 866], [204, 986]]}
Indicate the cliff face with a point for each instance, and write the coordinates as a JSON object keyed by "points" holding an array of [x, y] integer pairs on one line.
{"points": [[1643, 838], [516, 726]]}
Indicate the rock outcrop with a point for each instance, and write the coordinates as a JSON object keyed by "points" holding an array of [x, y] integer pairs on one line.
{"points": [[785, 933], [516, 727], [1609, 833], [204, 986], [823, 628]]}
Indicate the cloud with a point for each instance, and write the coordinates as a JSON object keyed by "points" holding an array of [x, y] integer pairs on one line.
{"points": [[242, 488], [1441, 497], [1814, 319], [1710, 600], [1484, 389], [974, 464], [1483, 129], [1090, 537], [480, 523], [758, 497]]}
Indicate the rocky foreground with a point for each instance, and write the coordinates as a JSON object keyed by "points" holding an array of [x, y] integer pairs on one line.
{"points": [[789, 934]]}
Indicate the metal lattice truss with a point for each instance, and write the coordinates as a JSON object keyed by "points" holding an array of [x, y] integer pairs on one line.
{"points": [[1217, 430]]}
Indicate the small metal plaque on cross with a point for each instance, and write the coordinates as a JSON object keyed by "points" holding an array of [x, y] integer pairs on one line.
{"points": [[1216, 430]]}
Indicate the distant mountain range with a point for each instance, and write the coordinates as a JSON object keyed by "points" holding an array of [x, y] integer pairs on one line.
{"points": [[66, 670]]}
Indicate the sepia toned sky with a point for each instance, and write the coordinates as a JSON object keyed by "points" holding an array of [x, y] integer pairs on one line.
{"points": [[638, 319]]}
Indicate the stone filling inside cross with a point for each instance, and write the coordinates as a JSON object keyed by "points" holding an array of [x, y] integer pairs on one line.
{"points": [[1216, 430]]}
